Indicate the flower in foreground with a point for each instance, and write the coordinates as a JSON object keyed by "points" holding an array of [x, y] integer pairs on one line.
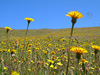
{"points": [[14, 73], [74, 15], [96, 47], [78, 51]]}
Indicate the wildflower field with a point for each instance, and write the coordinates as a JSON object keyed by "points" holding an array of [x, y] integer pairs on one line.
{"points": [[50, 51]]}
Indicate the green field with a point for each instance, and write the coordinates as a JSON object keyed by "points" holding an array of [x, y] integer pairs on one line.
{"points": [[45, 51]]}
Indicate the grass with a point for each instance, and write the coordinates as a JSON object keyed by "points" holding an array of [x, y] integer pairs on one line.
{"points": [[45, 52]]}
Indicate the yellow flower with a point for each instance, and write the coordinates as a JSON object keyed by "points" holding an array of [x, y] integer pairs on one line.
{"points": [[51, 66], [75, 14], [80, 63], [0, 59], [96, 47], [51, 61], [92, 53], [47, 64], [29, 69], [78, 50], [14, 73], [84, 61], [72, 68], [92, 68], [55, 67], [5, 68], [29, 51], [29, 19], [8, 28], [52, 52], [59, 63], [63, 39], [29, 45], [19, 61], [13, 51], [32, 61], [8, 50]]}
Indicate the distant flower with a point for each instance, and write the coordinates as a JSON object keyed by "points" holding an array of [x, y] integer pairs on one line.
{"points": [[92, 68], [8, 29], [5, 68], [29, 69], [59, 63], [72, 68], [29, 51], [75, 14], [52, 52], [32, 61], [84, 61], [14, 73], [29, 19], [51, 66], [51, 61], [55, 67], [47, 64]]}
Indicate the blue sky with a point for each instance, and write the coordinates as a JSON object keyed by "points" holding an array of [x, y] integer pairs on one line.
{"points": [[48, 13]]}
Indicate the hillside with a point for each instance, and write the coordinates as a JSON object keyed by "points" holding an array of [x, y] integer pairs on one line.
{"points": [[79, 32]]}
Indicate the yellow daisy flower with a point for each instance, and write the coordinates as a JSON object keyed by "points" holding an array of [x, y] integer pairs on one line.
{"points": [[78, 50], [29, 19], [7, 29], [14, 73], [96, 47], [75, 14]]}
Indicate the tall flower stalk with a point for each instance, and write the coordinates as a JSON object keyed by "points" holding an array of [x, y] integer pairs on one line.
{"points": [[29, 20], [7, 30], [74, 15]]}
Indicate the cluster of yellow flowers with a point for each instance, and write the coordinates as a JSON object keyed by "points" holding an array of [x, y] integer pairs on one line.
{"points": [[45, 52]]}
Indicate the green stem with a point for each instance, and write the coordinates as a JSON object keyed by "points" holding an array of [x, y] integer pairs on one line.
{"points": [[69, 47], [2, 63], [7, 39], [72, 30], [26, 33], [95, 63], [78, 67]]}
